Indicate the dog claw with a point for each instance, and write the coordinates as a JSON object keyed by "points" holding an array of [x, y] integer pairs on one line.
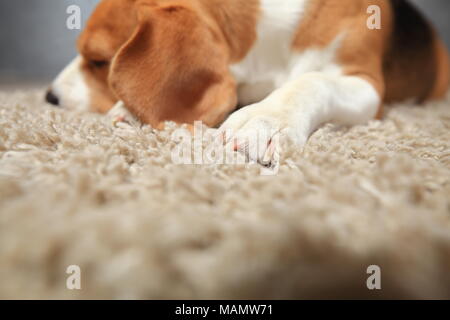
{"points": [[119, 114]]}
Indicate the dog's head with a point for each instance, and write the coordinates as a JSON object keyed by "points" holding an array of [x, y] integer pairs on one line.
{"points": [[165, 59]]}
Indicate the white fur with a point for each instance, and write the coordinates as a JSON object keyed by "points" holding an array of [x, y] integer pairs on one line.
{"points": [[298, 108], [266, 66], [290, 92], [293, 93], [70, 87]]}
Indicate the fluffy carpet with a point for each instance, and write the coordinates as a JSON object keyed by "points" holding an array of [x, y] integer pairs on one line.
{"points": [[75, 190]]}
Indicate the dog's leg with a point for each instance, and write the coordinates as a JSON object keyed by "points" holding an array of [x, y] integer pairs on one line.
{"points": [[297, 109]]}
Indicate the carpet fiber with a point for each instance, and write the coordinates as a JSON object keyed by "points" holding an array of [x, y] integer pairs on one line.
{"points": [[75, 190]]}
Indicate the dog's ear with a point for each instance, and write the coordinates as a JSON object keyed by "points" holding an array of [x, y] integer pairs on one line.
{"points": [[174, 67]]}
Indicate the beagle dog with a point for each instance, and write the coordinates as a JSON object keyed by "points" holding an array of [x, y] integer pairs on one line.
{"points": [[291, 65]]}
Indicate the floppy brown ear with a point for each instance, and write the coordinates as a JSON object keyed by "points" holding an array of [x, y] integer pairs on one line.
{"points": [[174, 67]]}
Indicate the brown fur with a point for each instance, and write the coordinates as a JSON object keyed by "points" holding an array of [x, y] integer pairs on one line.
{"points": [[143, 77], [237, 21], [168, 59], [109, 27], [203, 88], [403, 60]]}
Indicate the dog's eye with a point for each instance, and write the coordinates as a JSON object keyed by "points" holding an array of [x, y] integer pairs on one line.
{"points": [[98, 63]]}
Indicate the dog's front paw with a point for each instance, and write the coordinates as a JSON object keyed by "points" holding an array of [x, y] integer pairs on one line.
{"points": [[120, 115], [257, 132]]}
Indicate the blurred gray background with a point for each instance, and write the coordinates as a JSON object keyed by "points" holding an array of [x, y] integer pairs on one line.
{"points": [[36, 45]]}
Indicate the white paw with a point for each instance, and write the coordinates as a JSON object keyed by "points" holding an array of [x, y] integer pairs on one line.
{"points": [[257, 130], [119, 115]]}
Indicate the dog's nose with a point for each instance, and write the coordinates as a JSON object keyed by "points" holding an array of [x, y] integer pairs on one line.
{"points": [[51, 98]]}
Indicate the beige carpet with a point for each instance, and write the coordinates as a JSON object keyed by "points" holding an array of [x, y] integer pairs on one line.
{"points": [[74, 190]]}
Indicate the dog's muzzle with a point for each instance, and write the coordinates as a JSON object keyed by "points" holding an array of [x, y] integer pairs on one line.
{"points": [[51, 98]]}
